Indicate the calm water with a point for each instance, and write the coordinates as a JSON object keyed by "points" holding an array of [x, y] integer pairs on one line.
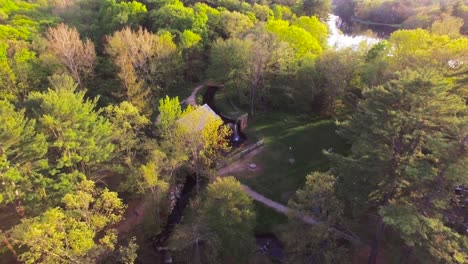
{"points": [[338, 40]]}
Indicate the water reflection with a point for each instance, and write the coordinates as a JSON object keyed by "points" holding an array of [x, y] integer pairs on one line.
{"points": [[338, 40]]}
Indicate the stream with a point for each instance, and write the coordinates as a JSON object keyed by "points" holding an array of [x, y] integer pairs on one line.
{"points": [[160, 241]]}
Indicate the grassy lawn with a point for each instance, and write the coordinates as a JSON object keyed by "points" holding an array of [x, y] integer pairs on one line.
{"points": [[278, 179]]}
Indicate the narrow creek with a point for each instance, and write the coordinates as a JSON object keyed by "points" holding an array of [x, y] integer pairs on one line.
{"points": [[160, 241]]}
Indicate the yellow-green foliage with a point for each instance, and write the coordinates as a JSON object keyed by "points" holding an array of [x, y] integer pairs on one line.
{"points": [[303, 42]]}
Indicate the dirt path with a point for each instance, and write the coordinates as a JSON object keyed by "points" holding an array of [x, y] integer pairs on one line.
{"points": [[276, 206], [280, 208], [241, 165], [133, 216], [192, 99]]}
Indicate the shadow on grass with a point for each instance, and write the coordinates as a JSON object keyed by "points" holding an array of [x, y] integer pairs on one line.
{"points": [[290, 137]]}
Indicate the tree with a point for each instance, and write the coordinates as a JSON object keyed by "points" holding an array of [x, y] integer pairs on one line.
{"points": [[153, 177], [229, 214], [262, 12], [76, 56], [147, 64], [229, 65], [319, 8], [76, 234], [420, 49], [176, 18], [447, 25], [128, 254], [114, 15], [169, 112], [128, 135], [203, 137], [235, 23], [408, 146], [79, 138], [330, 94], [22, 156], [304, 44], [18, 70], [316, 28], [248, 66], [315, 243]]}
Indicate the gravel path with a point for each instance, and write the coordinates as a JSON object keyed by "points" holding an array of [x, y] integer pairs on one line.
{"points": [[276, 206], [192, 99], [306, 219]]}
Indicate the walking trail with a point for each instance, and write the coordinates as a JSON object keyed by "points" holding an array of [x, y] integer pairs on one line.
{"points": [[277, 206], [238, 167], [192, 99], [304, 218]]}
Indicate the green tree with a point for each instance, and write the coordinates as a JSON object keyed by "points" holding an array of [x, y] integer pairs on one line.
{"points": [[332, 95], [304, 44], [153, 177], [18, 73], [315, 243], [79, 137], [229, 214], [207, 22], [319, 8], [229, 65], [447, 25], [420, 49], [128, 254], [114, 15], [262, 12], [169, 112], [203, 137], [22, 156], [316, 28], [128, 131], [235, 23], [174, 17], [76, 234], [248, 66], [407, 153]]}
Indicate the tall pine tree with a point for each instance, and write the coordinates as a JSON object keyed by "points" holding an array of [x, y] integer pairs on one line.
{"points": [[409, 144]]}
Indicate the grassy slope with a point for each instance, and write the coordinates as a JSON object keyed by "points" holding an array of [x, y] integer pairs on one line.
{"points": [[279, 179]]}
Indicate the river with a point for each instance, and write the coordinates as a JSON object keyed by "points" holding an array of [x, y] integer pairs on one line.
{"points": [[338, 40]]}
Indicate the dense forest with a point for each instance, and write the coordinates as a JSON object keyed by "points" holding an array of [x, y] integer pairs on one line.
{"points": [[109, 155]]}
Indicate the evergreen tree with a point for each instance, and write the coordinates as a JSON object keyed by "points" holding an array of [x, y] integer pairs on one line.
{"points": [[408, 151], [79, 137], [306, 243], [22, 156], [230, 216]]}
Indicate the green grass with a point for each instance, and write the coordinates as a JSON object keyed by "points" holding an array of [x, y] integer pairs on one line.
{"points": [[278, 178]]}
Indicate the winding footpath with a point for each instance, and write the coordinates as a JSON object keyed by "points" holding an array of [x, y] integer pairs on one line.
{"points": [[192, 99], [280, 208], [277, 206]]}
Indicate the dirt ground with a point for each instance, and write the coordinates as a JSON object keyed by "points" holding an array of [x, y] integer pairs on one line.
{"points": [[240, 168], [133, 216]]}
